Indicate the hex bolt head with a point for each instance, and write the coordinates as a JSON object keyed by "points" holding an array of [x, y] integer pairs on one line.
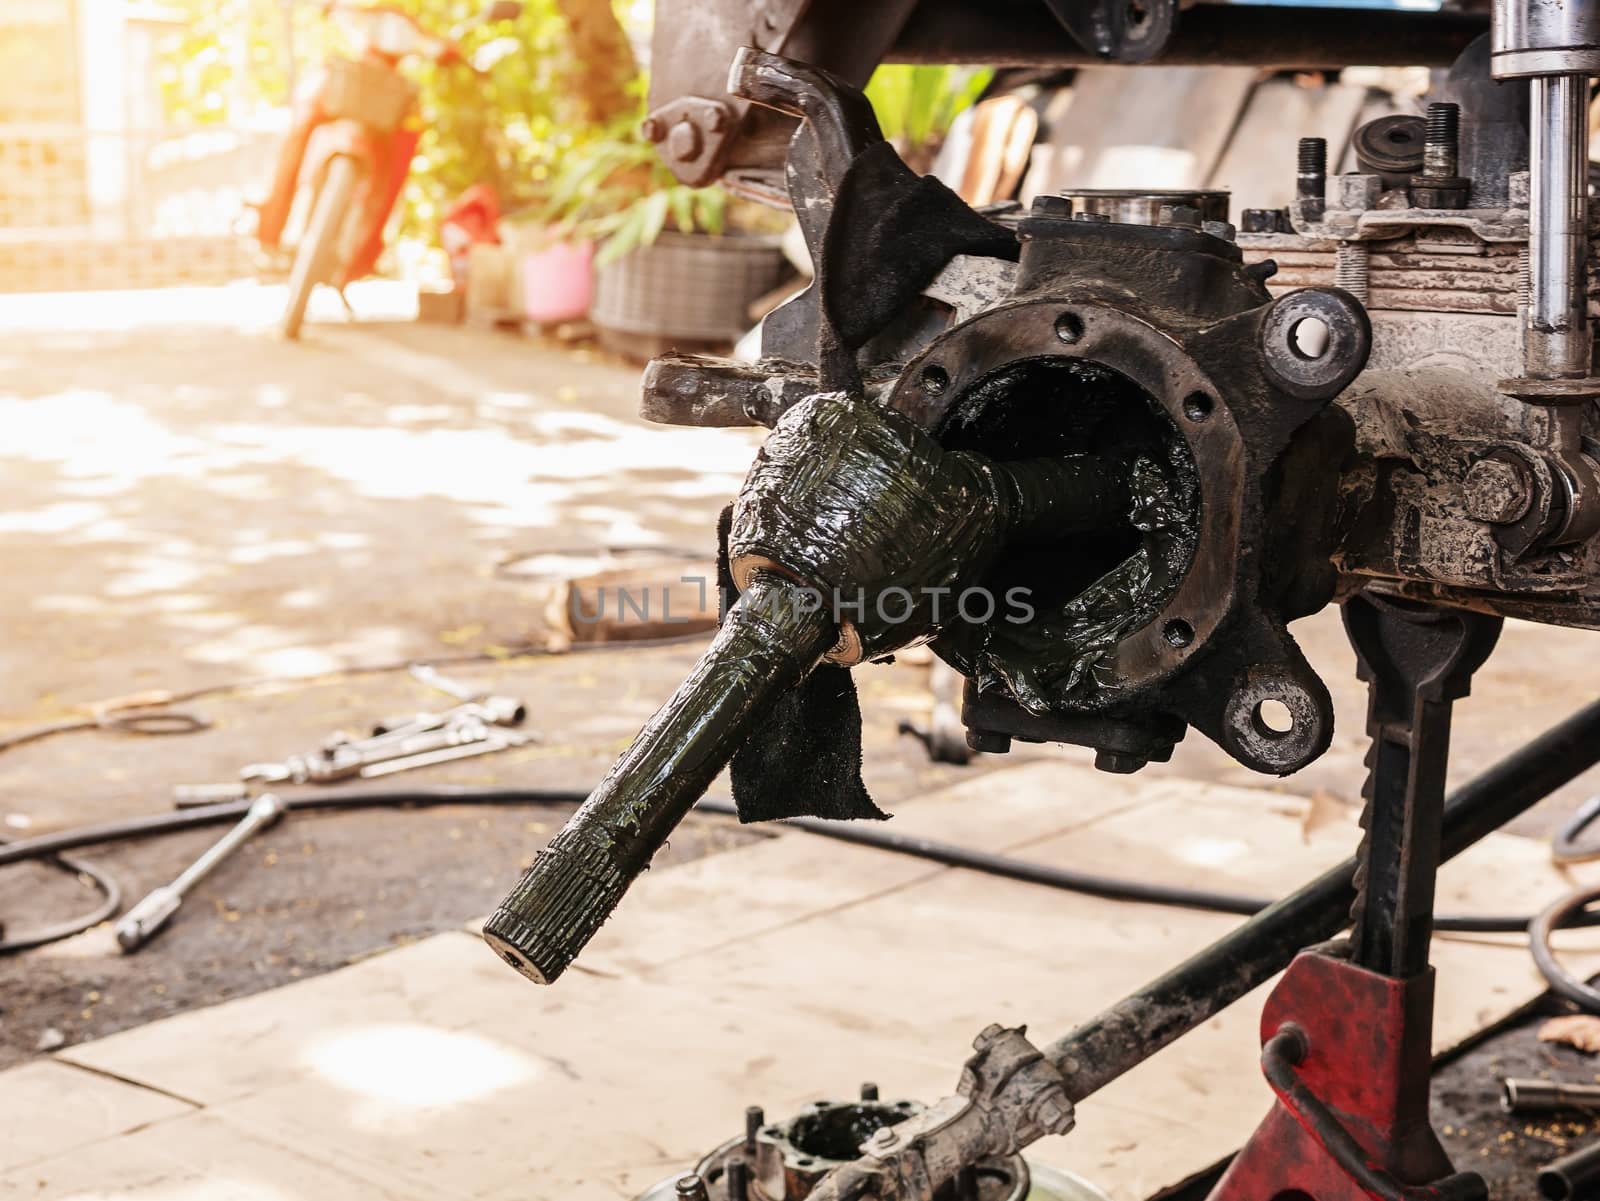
{"points": [[989, 742], [1356, 192], [1497, 491], [1118, 762], [869, 1091], [1218, 229], [1442, 192], [1048, 204], [691, 1188], [1262, 221], [685, 142]]}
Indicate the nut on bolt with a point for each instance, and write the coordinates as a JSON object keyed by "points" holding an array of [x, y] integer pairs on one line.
{"points": [[1263, 221], [1497, 491], [989, 742], [883, 1140], [1357, 192], [685, 142], [1118, 763]]}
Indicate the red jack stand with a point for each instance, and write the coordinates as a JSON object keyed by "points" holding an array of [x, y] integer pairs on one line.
{"points": [[1347, 1052], [1346, 1034]]}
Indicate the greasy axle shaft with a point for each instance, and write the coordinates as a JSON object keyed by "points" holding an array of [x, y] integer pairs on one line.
{"points": [[846, 500], [768, 642]]}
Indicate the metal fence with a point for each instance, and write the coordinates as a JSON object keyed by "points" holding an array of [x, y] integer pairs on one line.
{"points": [[81, 208]]}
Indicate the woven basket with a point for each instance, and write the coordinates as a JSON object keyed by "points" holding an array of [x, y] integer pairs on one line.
{"points": [[687, 287]]}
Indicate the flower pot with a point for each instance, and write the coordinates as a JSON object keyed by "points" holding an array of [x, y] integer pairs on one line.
{"points": [[684, 289], [557, 282]]}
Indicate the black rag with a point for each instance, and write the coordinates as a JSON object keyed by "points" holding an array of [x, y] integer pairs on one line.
{"points": [[804, 758], [890, 233]]}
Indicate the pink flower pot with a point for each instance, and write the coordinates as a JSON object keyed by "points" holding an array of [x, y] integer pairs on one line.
{"points": [[558, 282]]}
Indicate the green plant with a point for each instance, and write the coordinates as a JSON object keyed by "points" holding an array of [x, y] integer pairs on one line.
{"points": [[616, 190], [230, 65], [917, 104]]}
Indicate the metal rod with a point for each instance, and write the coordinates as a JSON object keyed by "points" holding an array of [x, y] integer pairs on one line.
{"points": [[1027, 35], [1522, 1095], [1134, 1029], [770, 640], [142, 922], [1575, 1177], [1558, 343]]}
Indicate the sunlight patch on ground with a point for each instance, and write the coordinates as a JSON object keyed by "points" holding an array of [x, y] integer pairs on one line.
{"points": [[63, 518], [281, 548], [246, 305], [263, 650], [97, 439], [520, 480], [154, 573], [1213, 852], [415, 1066]]}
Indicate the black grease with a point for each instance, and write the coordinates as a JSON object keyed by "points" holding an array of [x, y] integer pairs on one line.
{"points": [[765, 647], [1091, 590], [859, 502]]}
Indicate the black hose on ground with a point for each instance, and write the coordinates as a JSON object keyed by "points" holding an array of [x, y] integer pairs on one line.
{"points": [[1557, 917], [1565, 847], [1110, 887], [110, 905], [861, 834]]}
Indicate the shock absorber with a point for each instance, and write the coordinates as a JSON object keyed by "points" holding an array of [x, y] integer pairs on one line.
{"points": [[1556, 47]]}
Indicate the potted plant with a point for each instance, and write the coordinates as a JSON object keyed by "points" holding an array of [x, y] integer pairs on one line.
{"points": [[674, 265]]}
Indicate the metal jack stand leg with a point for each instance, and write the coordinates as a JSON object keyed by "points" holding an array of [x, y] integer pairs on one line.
{"points": [[1347, 1032]]}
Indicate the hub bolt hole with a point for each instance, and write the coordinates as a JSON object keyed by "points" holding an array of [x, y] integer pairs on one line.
{"points": [[1273, 719], [1309, 337], [1178, 632], [1069, 327], [935, 379], [1197, 406]]}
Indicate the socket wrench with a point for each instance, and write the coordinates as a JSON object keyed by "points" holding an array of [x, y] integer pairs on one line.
{"points": [[141, 923]]}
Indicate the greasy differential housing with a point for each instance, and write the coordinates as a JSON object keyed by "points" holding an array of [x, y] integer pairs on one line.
{"points": [[1156, 346]]}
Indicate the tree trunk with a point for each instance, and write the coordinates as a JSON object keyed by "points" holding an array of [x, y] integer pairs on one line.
{"points": [[604, 60]]}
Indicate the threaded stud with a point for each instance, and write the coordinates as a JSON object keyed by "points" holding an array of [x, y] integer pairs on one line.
{"points": [[1314, 156], [1352, 268], [1311, 180], [1439, 147]]}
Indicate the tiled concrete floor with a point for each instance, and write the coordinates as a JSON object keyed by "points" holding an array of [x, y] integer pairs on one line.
{"points": [[774, 974]]}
